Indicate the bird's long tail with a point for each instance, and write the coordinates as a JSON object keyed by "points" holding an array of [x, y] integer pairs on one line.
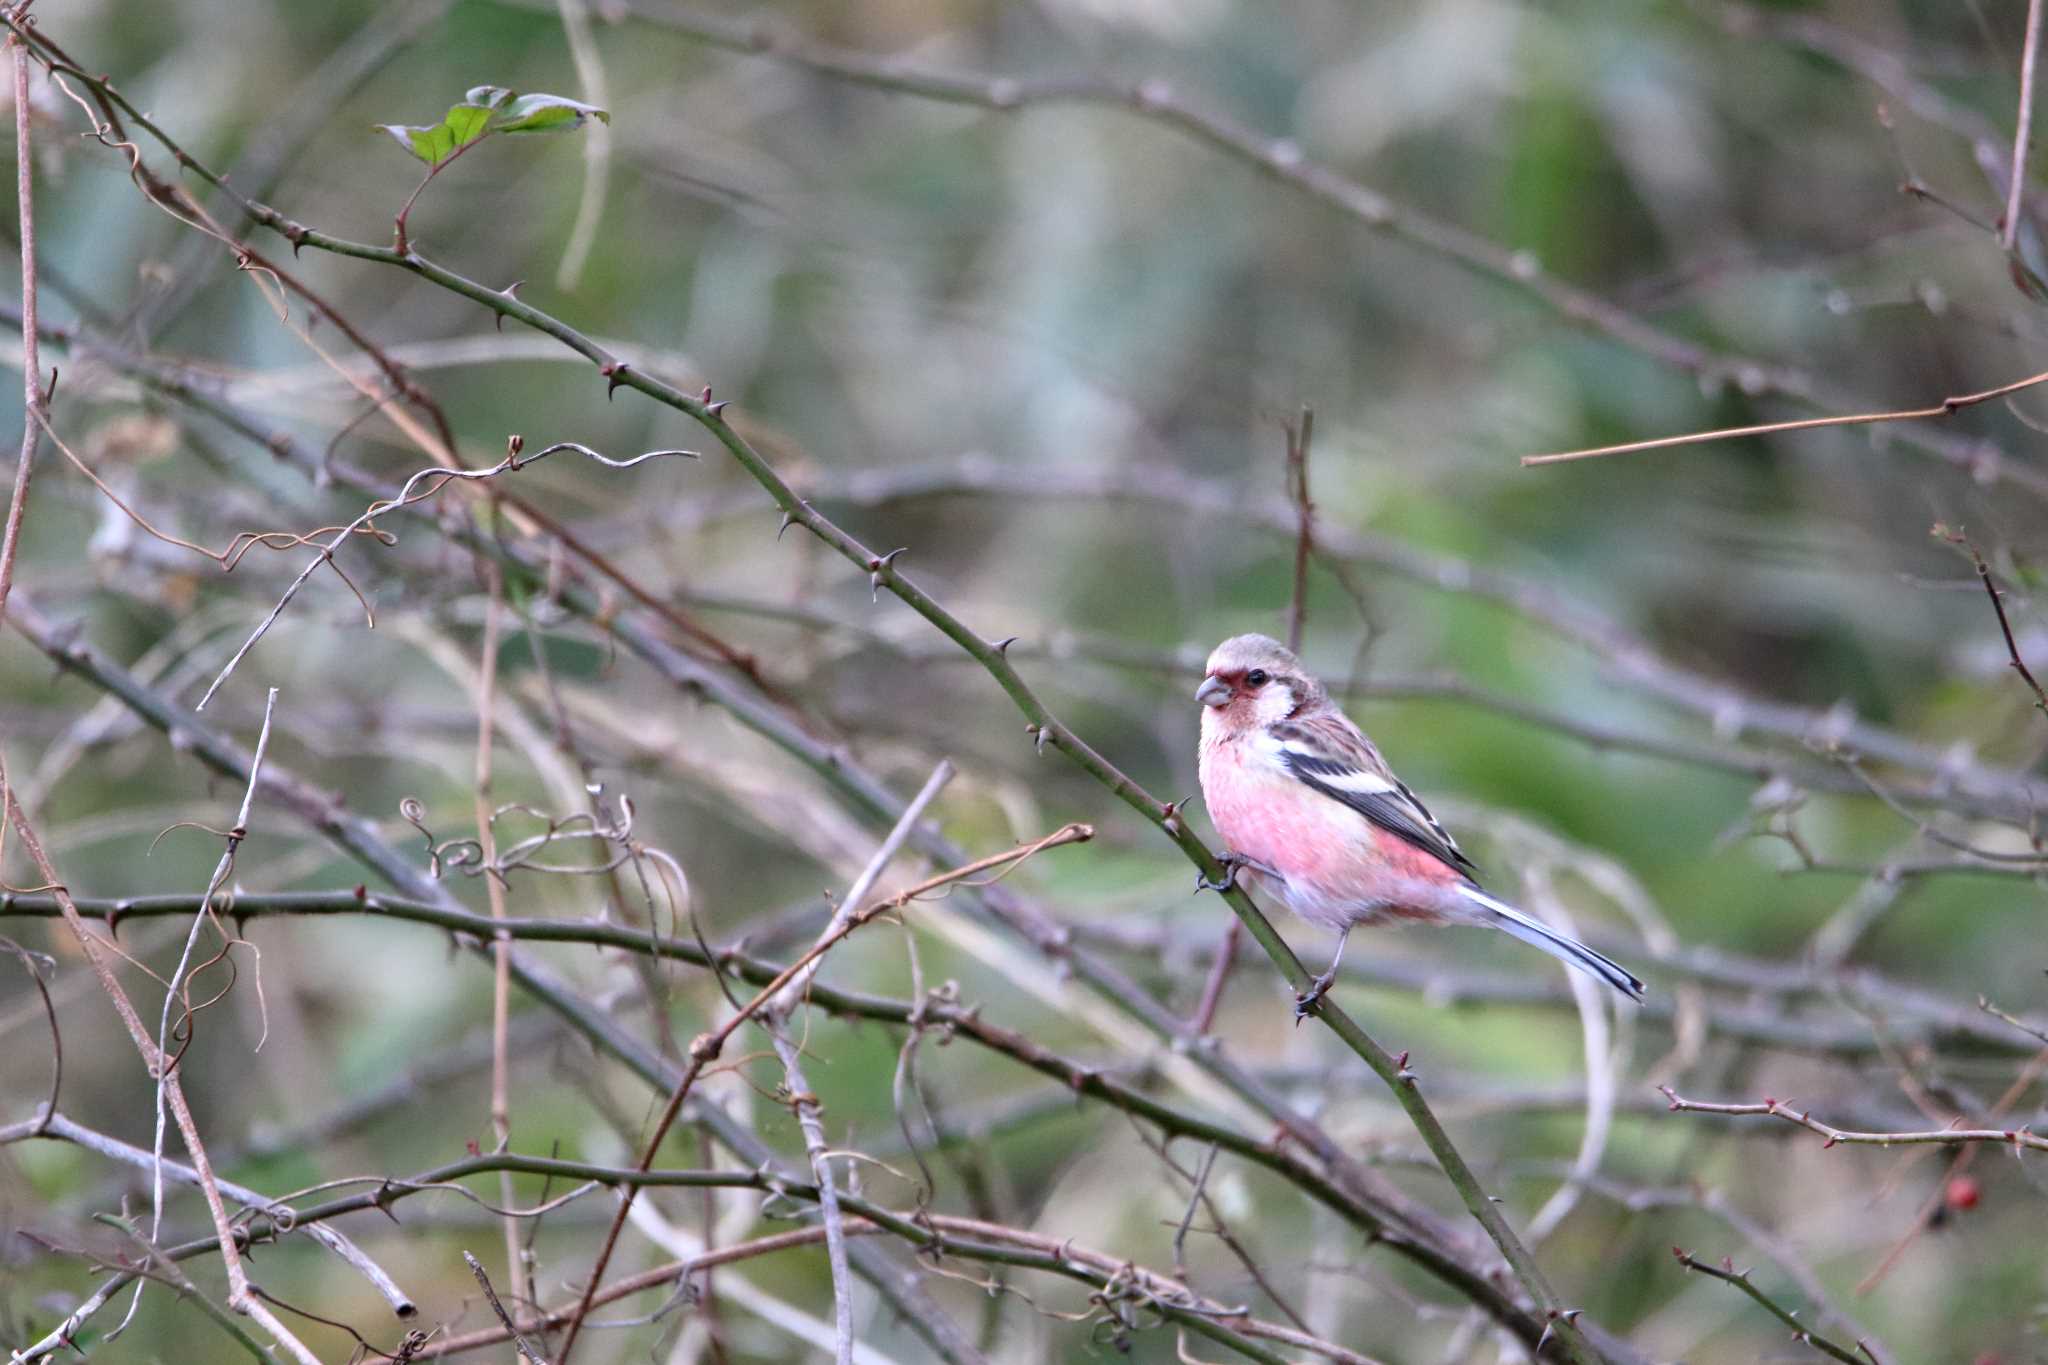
{"points": [[1566, 950]]}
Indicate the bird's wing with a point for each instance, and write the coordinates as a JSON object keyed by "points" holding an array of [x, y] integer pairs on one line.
{"points": [[1331, 756]]}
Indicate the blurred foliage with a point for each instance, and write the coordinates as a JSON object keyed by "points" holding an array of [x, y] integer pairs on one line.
{"points": [[882, 283]]}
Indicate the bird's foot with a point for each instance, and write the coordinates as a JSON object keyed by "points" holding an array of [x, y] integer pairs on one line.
{"points": [[1309, 1000], [1232, 864]]}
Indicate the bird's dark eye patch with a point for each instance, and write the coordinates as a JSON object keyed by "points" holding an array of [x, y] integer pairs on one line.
{"points": [[1256, 678]]}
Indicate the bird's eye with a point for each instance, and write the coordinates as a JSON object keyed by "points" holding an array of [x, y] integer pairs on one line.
{"points": [[1256, 678]]}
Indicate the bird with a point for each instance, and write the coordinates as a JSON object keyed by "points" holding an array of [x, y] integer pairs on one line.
{"points": [[1306, 805]]}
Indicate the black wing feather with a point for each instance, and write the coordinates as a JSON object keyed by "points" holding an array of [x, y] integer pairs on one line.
{"points": [[1400, 812]]}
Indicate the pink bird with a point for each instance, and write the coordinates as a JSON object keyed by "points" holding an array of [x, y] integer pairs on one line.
{"points": [[1307, 805]]}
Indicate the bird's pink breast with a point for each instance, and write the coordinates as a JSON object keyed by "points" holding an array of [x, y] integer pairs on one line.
{"points": [[1339, 867]]}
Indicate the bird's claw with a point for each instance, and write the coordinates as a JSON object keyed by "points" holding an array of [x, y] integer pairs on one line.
{"points": [[1307, 1002], [1232, 864]]}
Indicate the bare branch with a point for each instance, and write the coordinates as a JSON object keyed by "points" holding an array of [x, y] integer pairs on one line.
{"points": [[2022, 131], [1954, 1136], [239, 1296], [406, 497], [1947, 407], [31, 364], [1800, 1332], [2012, 647], [1299, 433]]}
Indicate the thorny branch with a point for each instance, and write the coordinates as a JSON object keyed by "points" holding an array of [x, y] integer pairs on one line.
{"points": [[707, 1047], [406, 497], [161, 1069], [1947, 407], [2012, 646], [882, 572], [1727, 1273], [1043, 726], [1955, 1135], [1123, 1296], [31, 364]]}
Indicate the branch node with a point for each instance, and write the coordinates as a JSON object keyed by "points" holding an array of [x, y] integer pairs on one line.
{"points": [[877, 567]]}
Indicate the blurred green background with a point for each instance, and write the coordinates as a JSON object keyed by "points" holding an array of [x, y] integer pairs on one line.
{"points": [[1051, 349]]}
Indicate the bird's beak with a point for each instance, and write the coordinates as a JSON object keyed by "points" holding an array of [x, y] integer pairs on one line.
{"points": [[1213, 692]]}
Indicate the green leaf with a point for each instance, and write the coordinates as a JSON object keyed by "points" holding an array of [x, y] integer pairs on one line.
{"points": [[488, 109], [547, 114], [464, 124]]}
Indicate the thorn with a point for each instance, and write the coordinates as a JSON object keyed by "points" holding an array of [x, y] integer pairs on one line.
{"points": [[50, 394], [510, 291], [296, 235], [706, 399], [614, 375], [1002, 646], [1039, 734], [788, 520], [878, 567], [714, 409]]}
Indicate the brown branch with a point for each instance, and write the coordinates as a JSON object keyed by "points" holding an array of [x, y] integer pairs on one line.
{"points": [[240, 1297], [406, 497], [2012, 648], [31, 363], [652, 1278], [706, 1047], [58, 1127], [1044, 726], [501, 948], [1365, 1199], [179, 989], [2016, 1138], [1947, 407], [525, 1348], [35, 964]]}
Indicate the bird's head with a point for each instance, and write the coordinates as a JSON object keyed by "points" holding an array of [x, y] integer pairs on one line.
{"points": [[1254, 681]]}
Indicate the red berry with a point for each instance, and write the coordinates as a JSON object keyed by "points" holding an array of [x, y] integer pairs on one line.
{"points": [[1962, 1193]]}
